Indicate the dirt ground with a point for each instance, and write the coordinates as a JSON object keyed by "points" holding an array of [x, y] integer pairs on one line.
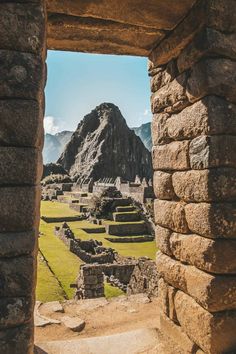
{"points": [[101, 316]]}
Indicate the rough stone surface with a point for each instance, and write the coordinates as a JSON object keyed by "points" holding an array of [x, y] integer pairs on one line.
{"points": [[177, 334], [73, 323], [15, 311], [17, 340], [214, 333], [16, 166], [17, 276], [163, 75], [18, 208], [21, 37], [162, 184], [207, 42], [213, 151], [91, 154], [212, 76], [213, 292], [17, 243], [23, 75], [173, 156], [21, 123], [216, 220], [171, 215], [166, 294], [206, 185], [171, 96], [210, 116], [215, 256]]}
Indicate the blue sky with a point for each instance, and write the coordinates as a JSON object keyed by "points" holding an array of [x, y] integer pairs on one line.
{"points": [[78, 82]]}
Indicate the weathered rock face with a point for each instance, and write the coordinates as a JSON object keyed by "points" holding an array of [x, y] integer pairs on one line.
{"points": [[54, 145], [104, 146], [144, 132]]}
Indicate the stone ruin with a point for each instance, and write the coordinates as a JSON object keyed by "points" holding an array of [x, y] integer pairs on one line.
{"points": [[191, 47], [90, 251]]}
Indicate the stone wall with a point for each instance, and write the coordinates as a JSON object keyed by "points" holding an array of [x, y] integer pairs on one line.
{"points": [[193, 83], [22, 73], [144, 278], [90, 282]]}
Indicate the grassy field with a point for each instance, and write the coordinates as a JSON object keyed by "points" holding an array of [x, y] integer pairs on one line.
{"points": [[62, 267]]}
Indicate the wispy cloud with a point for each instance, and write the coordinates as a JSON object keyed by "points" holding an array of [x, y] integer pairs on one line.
{"points": [[146, 112], [51, 125]]}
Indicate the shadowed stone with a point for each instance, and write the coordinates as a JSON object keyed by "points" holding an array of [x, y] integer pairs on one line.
{"points": [[15, 311], [17, 243], [17, 340], [213, 292], [214, 333], [73, 323]]}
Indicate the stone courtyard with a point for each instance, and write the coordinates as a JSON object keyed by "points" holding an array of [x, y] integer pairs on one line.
{"points": [[191, 49]]}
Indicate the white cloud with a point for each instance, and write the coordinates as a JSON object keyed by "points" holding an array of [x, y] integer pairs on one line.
{"points": [[51, 125], [146, 112]]}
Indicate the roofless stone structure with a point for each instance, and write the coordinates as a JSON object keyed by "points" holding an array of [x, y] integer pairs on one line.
{"points": [[192, 50]]}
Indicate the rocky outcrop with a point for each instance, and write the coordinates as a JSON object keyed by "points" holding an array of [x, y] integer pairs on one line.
{"points": [[104, 146], [144, 132]]}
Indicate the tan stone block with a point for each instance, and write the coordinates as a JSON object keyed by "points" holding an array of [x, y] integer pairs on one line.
{"points": [[163, 296], [173, 156], [163, 76], [214, 333], [163, 239], [177, 335], [159, 129], [207, 42], [213, 220], [215, 256], [213, 292], [19, 208], [17, 276], [27, 27], [210, 116], [212, 76], [22, 75], [20, 165], [206, 185], [162, 185], [212, 151], [21, 123], [171, 215], [171, 96], [15, 311], [17, 243], [17, 339]]}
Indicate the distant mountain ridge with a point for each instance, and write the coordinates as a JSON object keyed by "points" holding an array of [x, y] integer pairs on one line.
{"points": [[144, 132], [54, 145], [104, 146]]}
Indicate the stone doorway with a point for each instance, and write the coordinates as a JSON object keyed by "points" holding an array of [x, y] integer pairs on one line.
{"points": [[192, 64]]}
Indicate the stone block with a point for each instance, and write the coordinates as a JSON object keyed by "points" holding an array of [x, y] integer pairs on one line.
{"points": [[210, 116], [28, 20], [163, 239], [171, 215], [207, 42], [212, 77], [213, 220], [213, 292], [19, 209], [15, 311], [171, 97], [171, 157], [22, 75], [214, 333], [163, 76], [205, 185], [177, 335], [17, 276], [21, 123], [17, 339], [217, 14], [20, 166], [212, 151], [166, 294], [162, 184], [214, 256], [18, 243]]}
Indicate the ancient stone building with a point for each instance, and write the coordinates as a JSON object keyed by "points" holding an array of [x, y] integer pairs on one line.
{"points": [[191, 47]]}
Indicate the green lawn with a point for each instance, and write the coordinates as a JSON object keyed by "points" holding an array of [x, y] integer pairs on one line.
{"points": [[54, 284]]}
